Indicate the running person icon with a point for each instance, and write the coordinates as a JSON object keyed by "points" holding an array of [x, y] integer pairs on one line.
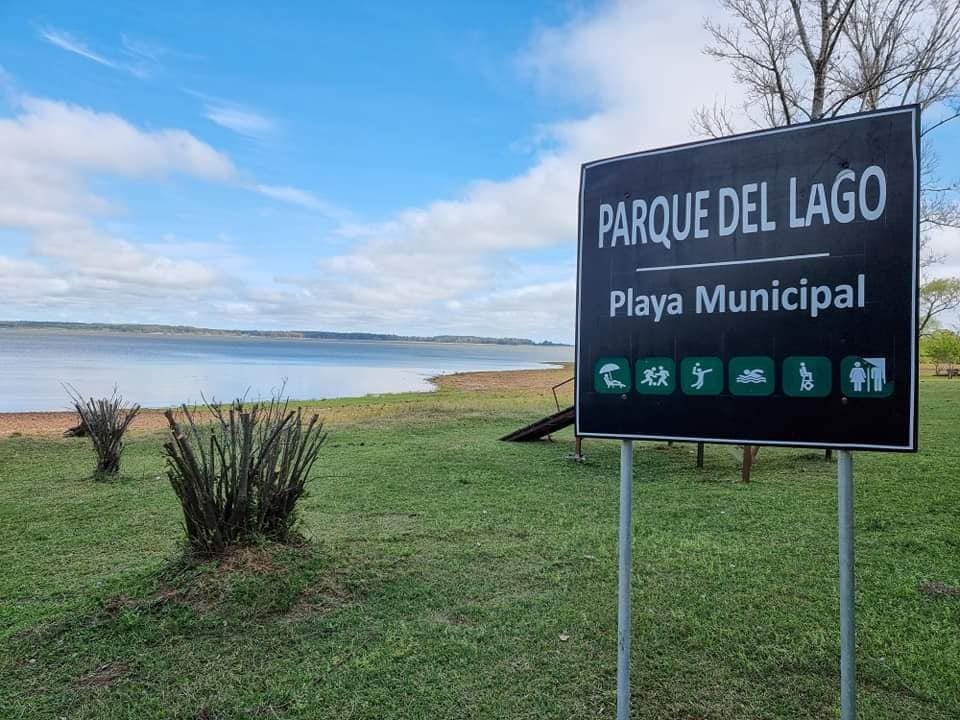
{"points": [[651, 377], [663, 377]]}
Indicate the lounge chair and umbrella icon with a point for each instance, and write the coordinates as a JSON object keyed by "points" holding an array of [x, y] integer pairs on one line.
{"points": [[606, 372]]}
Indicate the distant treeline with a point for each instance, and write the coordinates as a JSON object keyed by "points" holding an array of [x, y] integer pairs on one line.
{"points": [[304, 334]]}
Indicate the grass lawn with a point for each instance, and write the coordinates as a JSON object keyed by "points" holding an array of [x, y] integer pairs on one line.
{"points": [[448, 575]]}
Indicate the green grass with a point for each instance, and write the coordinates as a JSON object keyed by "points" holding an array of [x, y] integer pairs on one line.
{"points": [[443, 568]]}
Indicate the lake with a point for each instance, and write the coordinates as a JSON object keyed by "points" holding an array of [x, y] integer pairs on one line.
{"points": [[165, 370]]}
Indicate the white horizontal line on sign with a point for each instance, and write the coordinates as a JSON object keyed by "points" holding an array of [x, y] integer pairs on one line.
{"points": [[781, 258]]}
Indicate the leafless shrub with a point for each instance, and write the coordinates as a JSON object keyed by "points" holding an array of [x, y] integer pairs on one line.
{"points": [[105, 421], [240, 477]]}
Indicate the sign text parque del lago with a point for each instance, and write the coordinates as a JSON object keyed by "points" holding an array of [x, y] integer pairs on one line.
{"points": [[754, 289]]}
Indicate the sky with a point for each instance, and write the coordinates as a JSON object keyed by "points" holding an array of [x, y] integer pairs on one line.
{"points": [[367, 166]]}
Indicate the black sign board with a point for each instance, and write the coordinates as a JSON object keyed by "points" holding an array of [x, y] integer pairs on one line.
{"points": [[757, 289]]}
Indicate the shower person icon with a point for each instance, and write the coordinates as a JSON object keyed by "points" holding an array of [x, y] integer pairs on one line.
{"points": [[866, 377]]}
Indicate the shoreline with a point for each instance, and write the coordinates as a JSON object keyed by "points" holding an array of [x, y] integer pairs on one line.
{"points": [[47, 423], [308, 335]]}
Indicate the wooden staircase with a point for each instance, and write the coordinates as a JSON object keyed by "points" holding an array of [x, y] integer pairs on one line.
{"points": [[543, 427]]}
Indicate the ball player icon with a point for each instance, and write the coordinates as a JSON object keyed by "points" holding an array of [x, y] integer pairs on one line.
{"points": [[700, 374]]}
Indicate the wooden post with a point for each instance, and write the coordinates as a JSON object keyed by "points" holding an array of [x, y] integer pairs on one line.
{"points": [[699, 454], [749, 455], [828, 454]]}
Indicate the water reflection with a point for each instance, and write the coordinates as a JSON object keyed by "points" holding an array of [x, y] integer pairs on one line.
{"points": [[158, 371]]}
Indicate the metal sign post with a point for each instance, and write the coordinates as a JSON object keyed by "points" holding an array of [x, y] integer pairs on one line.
{"points": [[848, 642], [626, 566]]}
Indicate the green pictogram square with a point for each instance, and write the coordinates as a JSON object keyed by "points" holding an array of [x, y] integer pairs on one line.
{"points": [[807, 376], [701, 376], [751, 375], [865, 377], [611, 375], [656, 376]]}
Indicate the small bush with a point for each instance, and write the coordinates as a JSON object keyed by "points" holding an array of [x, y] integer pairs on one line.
{"points": [[105, 421], [240, 477]]}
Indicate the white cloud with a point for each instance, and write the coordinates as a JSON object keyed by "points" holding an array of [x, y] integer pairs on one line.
{"points": [[241, 120], [543, 306], [60, 136], [303, 198], [142, 48], [51, 152], [66, 41], [50, 149]]}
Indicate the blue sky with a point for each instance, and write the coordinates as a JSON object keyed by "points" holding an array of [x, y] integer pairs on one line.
{"points": [[363, 166]]}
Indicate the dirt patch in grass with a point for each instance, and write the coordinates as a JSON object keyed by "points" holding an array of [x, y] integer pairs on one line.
{"points": [[103, 677], [251, 560], [448, 618], [200, 596], [265, 575], [939, 589], [323, 597], [203, 587]]}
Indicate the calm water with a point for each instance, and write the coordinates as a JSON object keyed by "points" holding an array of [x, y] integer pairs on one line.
{"points": [[164, 370]]}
